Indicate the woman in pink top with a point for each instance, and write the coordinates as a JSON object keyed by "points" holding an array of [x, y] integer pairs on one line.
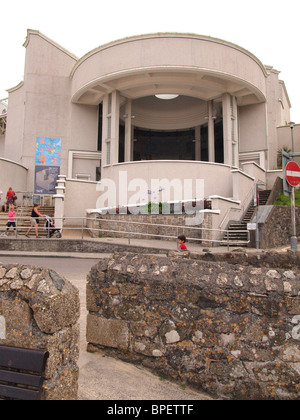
{"points": [[11, 221]]}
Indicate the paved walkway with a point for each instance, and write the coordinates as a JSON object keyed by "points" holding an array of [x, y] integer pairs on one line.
{"points": [[155, 244]]}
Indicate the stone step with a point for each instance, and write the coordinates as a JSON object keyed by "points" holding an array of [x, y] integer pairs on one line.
{"points": [[25, 223]]}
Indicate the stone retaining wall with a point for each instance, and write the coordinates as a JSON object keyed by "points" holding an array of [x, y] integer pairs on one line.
{"points": [[69, 245], [40, 310], [150, 226], [277, 230], [230, 330], [289, 259]]}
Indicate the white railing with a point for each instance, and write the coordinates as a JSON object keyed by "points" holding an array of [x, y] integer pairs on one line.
{"points": [[242, 209], [125, 229]]}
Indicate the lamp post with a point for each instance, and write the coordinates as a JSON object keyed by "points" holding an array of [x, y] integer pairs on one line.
{"points": [[294, 242], [292, 124]]}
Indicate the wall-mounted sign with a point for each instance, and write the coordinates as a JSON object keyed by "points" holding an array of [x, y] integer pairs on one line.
{"points": [[251, 226]]}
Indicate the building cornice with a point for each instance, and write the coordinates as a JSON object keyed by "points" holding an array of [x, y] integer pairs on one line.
{"points": [[286, 93], [21, 84], [55, 44], [169, 35]]}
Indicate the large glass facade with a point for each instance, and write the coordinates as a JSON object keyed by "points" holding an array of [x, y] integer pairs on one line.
{"points": [[164, 145], [168, 144]]}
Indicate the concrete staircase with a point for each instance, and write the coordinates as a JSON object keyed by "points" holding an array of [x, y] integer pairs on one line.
{"points": [[236, 238], [23, 214]]}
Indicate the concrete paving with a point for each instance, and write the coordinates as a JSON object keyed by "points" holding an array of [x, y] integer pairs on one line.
{"points": [[164, 246]]}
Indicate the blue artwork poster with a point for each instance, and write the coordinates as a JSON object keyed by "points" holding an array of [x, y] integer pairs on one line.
{"points": [[48, 151], [47, 164]]}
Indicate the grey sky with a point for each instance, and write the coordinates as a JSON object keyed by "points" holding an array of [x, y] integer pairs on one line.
{"points": [[267, 28]]}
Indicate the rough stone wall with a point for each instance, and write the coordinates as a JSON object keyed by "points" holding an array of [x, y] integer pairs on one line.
{"points": [[289, 259], [151, 225], [40, 310], [277, 230], [69, 245], [230, 330]]}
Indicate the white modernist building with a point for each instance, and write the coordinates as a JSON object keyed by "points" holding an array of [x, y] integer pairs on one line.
{"points": [[164, 106]]}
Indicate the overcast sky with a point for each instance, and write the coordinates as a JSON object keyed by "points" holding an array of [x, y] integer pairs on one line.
{"points": [[270, 29]]}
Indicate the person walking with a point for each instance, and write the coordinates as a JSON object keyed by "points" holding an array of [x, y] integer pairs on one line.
{"points": [[34, 220], [9, 199], [11, 221]]}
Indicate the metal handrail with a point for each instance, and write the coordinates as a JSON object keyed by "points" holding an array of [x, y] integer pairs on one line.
{"points": [[82, 227], [182, 227], [242, 209], [23, 227]]}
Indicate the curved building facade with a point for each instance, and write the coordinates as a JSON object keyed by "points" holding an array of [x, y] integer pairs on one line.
{"points": [[166, 105], [207, 78]]}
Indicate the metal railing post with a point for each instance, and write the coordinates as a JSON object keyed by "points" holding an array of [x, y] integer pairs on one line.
{"points": [[128, 232]]}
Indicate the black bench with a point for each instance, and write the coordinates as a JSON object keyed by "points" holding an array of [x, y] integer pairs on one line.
{"points": [[21, 373]]}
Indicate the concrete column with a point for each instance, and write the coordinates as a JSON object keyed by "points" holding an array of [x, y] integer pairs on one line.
{"points": [[115, 121], [211, 133], [110, 128], [235, 133], [59, 201], [104, 131], [128, 131], [227, 129]]}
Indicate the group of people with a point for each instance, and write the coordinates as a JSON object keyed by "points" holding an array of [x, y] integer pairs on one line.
{"points": [[10, 204], [11, 222], [34, 220]]}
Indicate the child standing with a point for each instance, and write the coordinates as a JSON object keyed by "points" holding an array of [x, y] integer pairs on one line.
{"points": [[11, 221], [181, 241]]}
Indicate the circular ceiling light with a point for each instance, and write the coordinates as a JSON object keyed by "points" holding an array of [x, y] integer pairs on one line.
{"points": [[167, 96]]}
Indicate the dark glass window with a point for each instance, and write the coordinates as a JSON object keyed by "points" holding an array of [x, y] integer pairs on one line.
{"points": [[164, 145], [219, 144], [100, 116], [121, 143]]}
